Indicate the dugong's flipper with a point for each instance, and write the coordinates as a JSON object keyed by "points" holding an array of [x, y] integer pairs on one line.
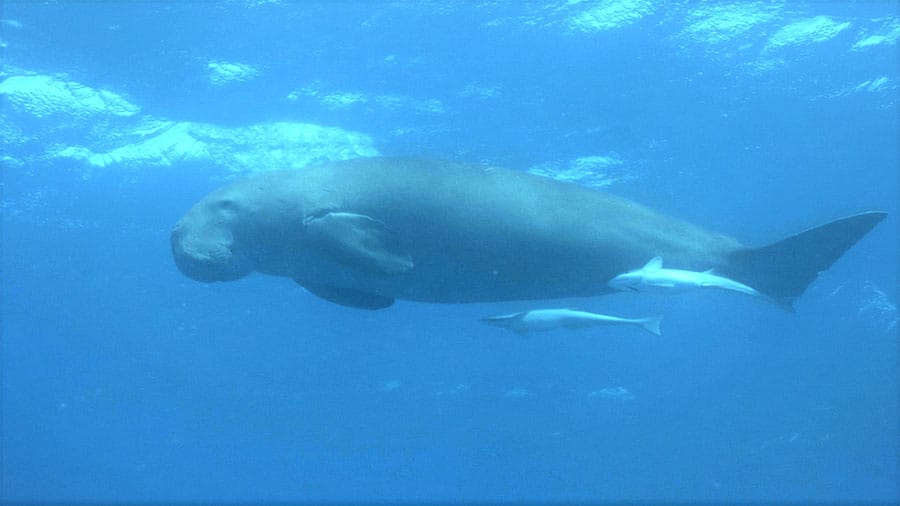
{"points": [[360, 242], [349, 297]]}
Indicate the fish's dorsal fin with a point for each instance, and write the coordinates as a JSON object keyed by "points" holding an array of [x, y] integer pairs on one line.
{"points": [[654, 265]]}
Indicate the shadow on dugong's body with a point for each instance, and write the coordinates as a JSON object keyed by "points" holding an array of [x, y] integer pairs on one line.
{"points": [[365, 232]]}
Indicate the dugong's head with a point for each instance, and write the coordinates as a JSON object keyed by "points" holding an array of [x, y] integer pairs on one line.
{"points": [[206, 242]]}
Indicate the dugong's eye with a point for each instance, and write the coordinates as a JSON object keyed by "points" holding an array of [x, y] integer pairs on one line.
{"points": [[227, 205]]}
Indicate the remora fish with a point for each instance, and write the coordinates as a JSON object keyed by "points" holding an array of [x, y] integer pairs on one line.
{"points": [[654, 278], [549, 319]]}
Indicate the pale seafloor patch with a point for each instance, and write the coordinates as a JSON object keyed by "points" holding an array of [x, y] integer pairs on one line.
{"points": [[221, 73], [101, 129], [451, 391], [254, 148], [337, 100], [886, 35], [866, 303], [594, 171], [516, 393], [597, 16], [877, 84], [5, 25], [10, 23], [617, 393], [882, 85], [42, 96], [876, 308], [806, 31], [720, 23], [778, 49], [572, 16], [480, 91]]}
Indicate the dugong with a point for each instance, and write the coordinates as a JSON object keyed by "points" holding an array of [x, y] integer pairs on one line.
{"points": [[365, 232]]}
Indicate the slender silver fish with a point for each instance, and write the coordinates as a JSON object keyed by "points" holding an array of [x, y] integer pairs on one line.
{"points": [[549, 319], [654, 278]]}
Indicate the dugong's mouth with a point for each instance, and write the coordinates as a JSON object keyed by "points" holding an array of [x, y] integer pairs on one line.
{"points": [[207, 260]]}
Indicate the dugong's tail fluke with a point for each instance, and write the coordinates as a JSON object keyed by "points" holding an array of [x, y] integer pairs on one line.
{"points": [[650, 324], [783, 270]]}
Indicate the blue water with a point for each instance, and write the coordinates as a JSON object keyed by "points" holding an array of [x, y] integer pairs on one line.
{"points": [[124, 380]]}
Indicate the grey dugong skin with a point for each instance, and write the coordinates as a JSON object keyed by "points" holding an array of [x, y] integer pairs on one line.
{"points": [[434, 231], [473, 234]]}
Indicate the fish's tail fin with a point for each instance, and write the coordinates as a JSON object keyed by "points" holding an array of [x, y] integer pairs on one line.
{"points": [[651, 324], [783, 270]]}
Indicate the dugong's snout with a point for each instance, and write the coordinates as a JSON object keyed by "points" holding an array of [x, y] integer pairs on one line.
{"points": [[207, 256]]}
